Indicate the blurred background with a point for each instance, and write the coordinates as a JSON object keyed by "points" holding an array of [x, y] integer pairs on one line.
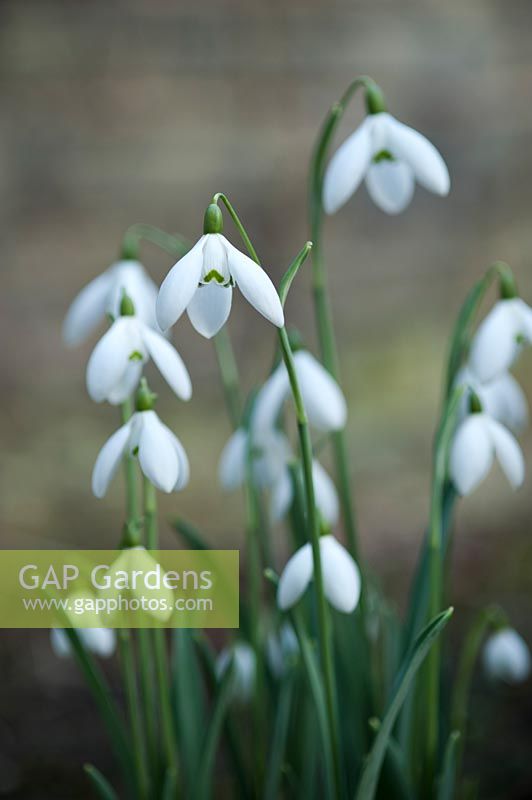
{"points": [[114, 113]]}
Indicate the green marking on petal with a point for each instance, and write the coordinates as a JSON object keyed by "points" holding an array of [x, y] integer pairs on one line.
{"points": [[136, 356], [135, 451], [213, 275], [383, 155]]}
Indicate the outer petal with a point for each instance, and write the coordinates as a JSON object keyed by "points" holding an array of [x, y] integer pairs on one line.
{"points": [[428, 166], [255, 285], [179, 286], [169, 362], [295, 578], [471, 454], [209, 308], [281, 496], [232, 465], [341, 578], [127, 384], [494, 347], [347, 168], [87, 310], [325, 494], [390, 185], [157, 456], [270, 399], [182, 460], [508, 452], [504, 400], [60, 643], [101, 641], [324, 402], [109, 459], [111, 357], [131, 277]]}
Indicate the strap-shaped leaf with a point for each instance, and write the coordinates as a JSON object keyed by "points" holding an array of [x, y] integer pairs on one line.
{"points": [[221, 704], [414, 659], [447, 781], [103, 788], [190, 534]]}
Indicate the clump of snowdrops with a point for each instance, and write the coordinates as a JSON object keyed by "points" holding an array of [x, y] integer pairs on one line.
{"points": [[323, 692]]}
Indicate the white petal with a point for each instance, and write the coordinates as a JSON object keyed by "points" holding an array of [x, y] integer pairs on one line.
{"points": [[504, 400], [341, 578], [295, 577], [109, 459], [183, 474], [508, 452], [179, 286], [87, 310], [232, 466], [157, 456], [471, 454], [506, 656], [169, 362], [127, 384], [281, 496], [101, 641], [131, 277], [494, 347], [323, 399], [60, 643], [390, 185], [269, 400], [255, 285], [111, 357], [347, 168], [209, 308], [428, 166], [525, 316], [325, 494]]}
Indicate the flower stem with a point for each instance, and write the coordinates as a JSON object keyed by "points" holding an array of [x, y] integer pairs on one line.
{"points": [[229, 375], [160, 654], [130, 682], [322, 305], [314, 531]]}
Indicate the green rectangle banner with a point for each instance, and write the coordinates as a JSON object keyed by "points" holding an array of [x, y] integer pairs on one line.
{"points": [[130, 588]]}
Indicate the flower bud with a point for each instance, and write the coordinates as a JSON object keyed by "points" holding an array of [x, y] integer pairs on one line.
{"points": [[213, 221], [506, 657]]}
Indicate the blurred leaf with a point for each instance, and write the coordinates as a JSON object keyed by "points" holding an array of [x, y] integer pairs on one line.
{"points": [[170, 784], [189, 702], [414, 659], [103, 788], [190, 534], [447, 780], [278, 743], [214, 730]]}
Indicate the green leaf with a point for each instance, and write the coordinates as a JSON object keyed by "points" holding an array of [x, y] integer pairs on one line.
{"points": [[221, 704], [414, 659], [280, 731], [103, 788], [292, 271], [447, 780], [170, 784], [189, 703], [190, 534]]}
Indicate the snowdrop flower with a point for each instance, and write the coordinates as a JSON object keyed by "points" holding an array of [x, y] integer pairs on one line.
{"points": [[501, 398], [116, 363], [500, 338], [341, 578], [103, 296], [161, 455], [271, 457], [282, 648], [322, 397], [242, 657], [100, 641], [390, 156], [506, 657], [202, 283], [478, 439]]}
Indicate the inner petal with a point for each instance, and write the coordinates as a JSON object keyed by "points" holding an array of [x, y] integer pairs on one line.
{"points": [[215, 267]]}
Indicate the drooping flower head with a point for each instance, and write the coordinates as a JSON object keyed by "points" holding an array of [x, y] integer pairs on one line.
{"points": [[115, 366], [506, 657], [341, 577], [103, 296], [161, 455], [242, 659], [501, 398], [100, 641], [500, 338], [476, 443], [202, 283], [270, 457], [390, 156]]}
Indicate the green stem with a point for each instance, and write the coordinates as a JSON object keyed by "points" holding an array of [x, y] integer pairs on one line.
{"points": [[229, 375], [322, 305], [219, 196], [130, 684], [160, 655], [173, 243]]}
